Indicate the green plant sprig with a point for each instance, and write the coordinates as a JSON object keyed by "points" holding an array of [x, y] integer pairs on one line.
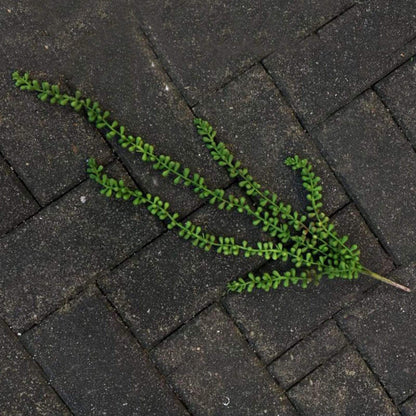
{"points": [[164, 163], [269, 199], [224, 245], [159, 208], [331, 258]]}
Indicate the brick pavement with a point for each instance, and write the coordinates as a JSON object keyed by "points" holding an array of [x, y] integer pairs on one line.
{"points": [[103, 311]]}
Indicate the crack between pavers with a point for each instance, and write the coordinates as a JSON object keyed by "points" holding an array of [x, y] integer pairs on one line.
{"points": [[328, 22], [299, 341], [395, 120], [150, 45], [72, 297], [154, 345], [412, 395], [352, 343], [327, 360], [22, 182], [42, 372], [52, 202]]}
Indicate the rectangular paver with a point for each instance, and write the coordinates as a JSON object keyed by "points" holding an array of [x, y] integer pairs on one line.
{"points": [[223, 37], [254, 121], [375, 163], [23, 389], [212, 368], [398, 92], [325, 71], [96, 365], [65, 245], [276, 320], [308, 354], [170, 280], [383, 326], [344, 386], [16, 203]]}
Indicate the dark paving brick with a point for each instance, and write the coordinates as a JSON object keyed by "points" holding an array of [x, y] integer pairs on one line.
{"points": [[324, 72], [308, 354], [383, 326], [23, 390], [356, 141], [261, 130], [211, 367], [276, 320], [409, 408], [16, 204], [344, 386], [226, 37], [169, 281], [45, 144], [65, 245], [398, 92], [144, 99], [96, 365]]}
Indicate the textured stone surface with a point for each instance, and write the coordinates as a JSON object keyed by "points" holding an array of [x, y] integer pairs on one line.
{"points": [[23, 390], [398, 92], [226, 37], [276, 320], [409, 408], [211, 56], [142, 97], [254, 121], [16, 204], [308, 354], [169, 280], [96, 365], [64, 246], [343, 386], [325, 71], [49, 157], [383, 326], [356, 142], [211, 367], [133, 87]]}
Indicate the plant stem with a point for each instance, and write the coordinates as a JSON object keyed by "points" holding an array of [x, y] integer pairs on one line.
{"points": [[384, 279]]}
